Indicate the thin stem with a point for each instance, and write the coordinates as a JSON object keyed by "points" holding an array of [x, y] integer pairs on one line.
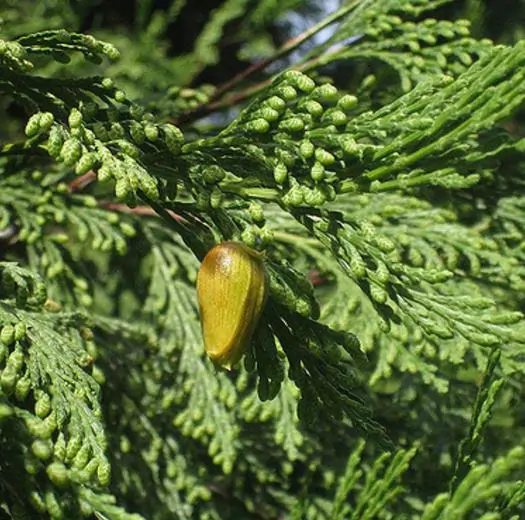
{"points": [[268, 194], [288, 47], [81, 182], [238, 97], [285, 49]]}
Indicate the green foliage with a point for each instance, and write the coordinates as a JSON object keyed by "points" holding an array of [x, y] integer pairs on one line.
{"points": [[391, 32], [377, 489], [50, 408], [479, 489], [389, 211]]}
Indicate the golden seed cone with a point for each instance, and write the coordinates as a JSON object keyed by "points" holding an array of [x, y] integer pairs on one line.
{"points": [[232, 287]]}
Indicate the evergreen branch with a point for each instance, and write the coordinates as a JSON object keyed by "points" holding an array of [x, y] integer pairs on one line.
{"points": [[479, 488], [371, 498], [380, 35], [288, 47], [388, 224], [485, 399], [50, 391]]}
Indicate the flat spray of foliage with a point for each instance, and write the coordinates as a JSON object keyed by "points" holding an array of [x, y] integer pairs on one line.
{"points": [[393, 389]]}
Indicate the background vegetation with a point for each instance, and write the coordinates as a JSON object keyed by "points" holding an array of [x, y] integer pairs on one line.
{"points": [[373, 149]]}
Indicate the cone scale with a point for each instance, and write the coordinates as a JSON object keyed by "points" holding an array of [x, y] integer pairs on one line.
{"points": [[232, 288]]}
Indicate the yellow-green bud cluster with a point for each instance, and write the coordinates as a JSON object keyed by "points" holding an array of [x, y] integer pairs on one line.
{"points": [[13, 373], [115, 149], [182, 100], [39, 123], [12, 54], [304, 125], [206, 189]]}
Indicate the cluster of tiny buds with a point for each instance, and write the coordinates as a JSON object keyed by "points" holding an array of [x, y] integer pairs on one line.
{"points": [[299, 117], [63, 459], [113, 148]]}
